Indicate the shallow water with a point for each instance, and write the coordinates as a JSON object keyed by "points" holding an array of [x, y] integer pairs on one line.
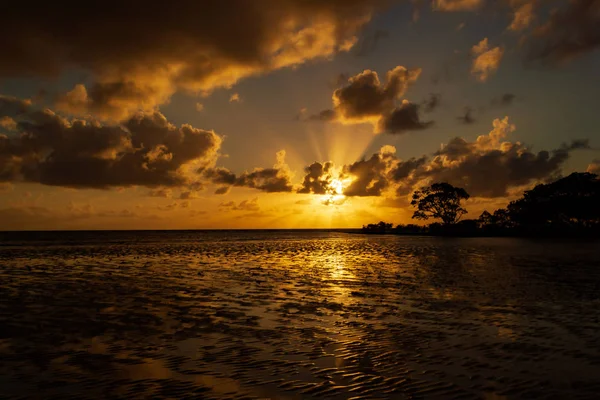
{"points": [[294, 315]]}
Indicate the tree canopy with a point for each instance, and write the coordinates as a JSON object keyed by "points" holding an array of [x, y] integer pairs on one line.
{"points": [[568, 204], [573, 200], [440, 200]]}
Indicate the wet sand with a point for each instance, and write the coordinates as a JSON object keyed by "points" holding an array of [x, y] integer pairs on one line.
{"points": [[309, 316]]}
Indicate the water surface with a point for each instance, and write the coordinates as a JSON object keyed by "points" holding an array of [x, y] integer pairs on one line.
{"points": [[294, 315]]}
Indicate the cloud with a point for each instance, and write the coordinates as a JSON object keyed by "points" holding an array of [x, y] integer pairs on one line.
{"points": [[369, 42], [223, 190], [276, 179], [304, 202], [244, 205], [145, 150], [363, 178], [577, 144], [325, 115], [188, 195], [403, 118], [135, 65], [220, 176], [199, 107], [11, 106], [235, 98], [570, 32], [594, 167], [8, 123], [467, 117], [432, 103], [173, 206], [456, 5], [485, 60], [523, 14], [197, 213], [370, 176], [113, 100], [318, 178], [488, 167], [505, 100], [365, 99], [258, 214], [161, 192], [301, 113]]}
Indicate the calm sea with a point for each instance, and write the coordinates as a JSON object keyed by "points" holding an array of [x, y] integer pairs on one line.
{"points": [[295, 315]]}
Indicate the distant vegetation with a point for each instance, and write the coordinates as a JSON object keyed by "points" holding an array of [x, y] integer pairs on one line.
{"points": [[568, 207]]}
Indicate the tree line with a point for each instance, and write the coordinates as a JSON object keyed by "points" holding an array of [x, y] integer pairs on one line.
{"points": [[567, 207]]}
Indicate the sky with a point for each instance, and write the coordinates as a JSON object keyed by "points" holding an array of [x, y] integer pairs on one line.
{"points": [[237, 114]]}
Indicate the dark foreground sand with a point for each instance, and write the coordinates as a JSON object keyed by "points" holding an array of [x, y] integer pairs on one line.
{"points": [[334, 316]]}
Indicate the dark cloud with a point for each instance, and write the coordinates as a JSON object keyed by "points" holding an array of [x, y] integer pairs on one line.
{"points": [[432, 102], [161, 192], [12, 106], [197, 213], [144, 150], [276, 179], [467, 118], [188, 195], [317, 179], [455, 148], [577, 144], [404, 175], [174, 206], [325, 115], [403, 169], [505, 100], [223, 190], [244, 205], [267, 180], [365, 98], [490, 166], [370, 176], [220, 176], [492, 173], [368, 44], [570, 32], [403, 118], [129, 50]]}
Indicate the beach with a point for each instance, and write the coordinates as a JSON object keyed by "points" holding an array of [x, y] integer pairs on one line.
{"points": [[295, 315]]}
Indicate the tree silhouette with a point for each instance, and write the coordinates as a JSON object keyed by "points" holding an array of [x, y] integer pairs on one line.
{"points": [[570, 201], [440, 200], [381, 227]]}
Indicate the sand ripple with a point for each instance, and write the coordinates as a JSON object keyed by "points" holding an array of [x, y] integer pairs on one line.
{"points": [[307, 316]]}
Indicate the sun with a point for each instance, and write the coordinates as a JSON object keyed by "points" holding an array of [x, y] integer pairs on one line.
{"points": [[337, 187], [335, 192]]}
